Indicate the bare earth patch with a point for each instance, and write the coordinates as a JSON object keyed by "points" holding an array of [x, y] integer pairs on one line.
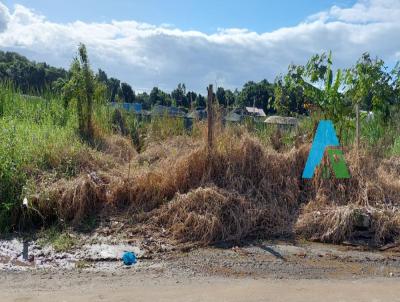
{"points": [[259, 271]]}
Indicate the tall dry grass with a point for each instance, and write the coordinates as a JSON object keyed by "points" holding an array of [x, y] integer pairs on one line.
{"points": [[242, 189]]}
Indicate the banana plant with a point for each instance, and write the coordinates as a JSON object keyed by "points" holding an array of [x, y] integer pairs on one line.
{"points": [[324, 87]]}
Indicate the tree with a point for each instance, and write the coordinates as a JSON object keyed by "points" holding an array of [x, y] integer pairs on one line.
{"points": [[128, 94], [113, 87], [200, 101], [370, 85], [159, 97], [191, 96], [29, 76], [81, 87], [323, 88], [289, 92], [179, 95], [144, 99], [260, 95], [220, 96], [225, 97], [102, 76], [230, 98]]}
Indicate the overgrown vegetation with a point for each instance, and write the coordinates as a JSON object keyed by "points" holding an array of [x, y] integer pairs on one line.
{"points": [[73, 156]]}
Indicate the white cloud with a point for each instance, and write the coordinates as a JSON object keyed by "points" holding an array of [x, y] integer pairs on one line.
{"points": [[146, 55], [4, 17]]}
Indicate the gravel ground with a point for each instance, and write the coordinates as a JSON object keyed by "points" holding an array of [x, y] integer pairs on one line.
{"points": [[261, 259], [94, 272]]}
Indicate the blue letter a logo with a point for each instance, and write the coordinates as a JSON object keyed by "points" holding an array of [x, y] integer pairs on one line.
{"points": [[324, 138]]}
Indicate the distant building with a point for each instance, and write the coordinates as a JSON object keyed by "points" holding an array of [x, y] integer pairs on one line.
{"points": [[235, 116], [167, 110], [254, 111], [198, 114], [131, 107], [283, 122]]}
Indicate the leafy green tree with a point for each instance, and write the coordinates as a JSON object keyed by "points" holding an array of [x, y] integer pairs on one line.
{"points": [[113, 88], [370, 85], [225, 97], [289, 92], [324, 88], [159, 97], [230, 98], [260, 95], [128, 94], [179, 95], [30, 77], [191, 98], [220, 96], [144, 99], [200, 101], [102, 76]]}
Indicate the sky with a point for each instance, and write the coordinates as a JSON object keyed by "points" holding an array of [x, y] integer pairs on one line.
{"points": [[162, 43], [206, 16]]}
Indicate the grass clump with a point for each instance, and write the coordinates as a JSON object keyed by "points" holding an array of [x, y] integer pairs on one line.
{"points": [[208, 215], [60, 240], [338, 224], [64, 242]]}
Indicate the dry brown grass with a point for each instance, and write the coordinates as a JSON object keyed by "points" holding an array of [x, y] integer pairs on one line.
{"points": [[241, 189], [240, 169], [208, 215], [335, 207], [119, 147], [340, 223]]}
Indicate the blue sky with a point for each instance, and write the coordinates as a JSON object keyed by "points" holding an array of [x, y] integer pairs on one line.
{"points": [[163, 43], [203, 15]]}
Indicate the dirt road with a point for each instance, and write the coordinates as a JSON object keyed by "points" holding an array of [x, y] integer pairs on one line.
{"points": [[137, 287], [260, 271]]}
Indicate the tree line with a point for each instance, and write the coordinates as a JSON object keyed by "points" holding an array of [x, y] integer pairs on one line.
{"points": [[29, 76], [315, 85]]}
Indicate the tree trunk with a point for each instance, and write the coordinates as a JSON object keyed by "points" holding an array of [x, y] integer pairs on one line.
{"points": [[358, 133], [357, 128], [210, 117]]}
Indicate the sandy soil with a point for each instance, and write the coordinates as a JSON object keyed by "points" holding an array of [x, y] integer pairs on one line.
{"points": [[139, 287]]}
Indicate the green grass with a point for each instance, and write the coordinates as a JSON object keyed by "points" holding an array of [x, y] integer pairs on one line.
{"points": [[60, 240], [395, 150], [40, 135], [82, 264], [162, 127], [36, 135]]}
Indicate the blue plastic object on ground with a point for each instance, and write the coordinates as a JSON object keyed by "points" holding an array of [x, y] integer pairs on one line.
{"points": [[129, 258]]}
